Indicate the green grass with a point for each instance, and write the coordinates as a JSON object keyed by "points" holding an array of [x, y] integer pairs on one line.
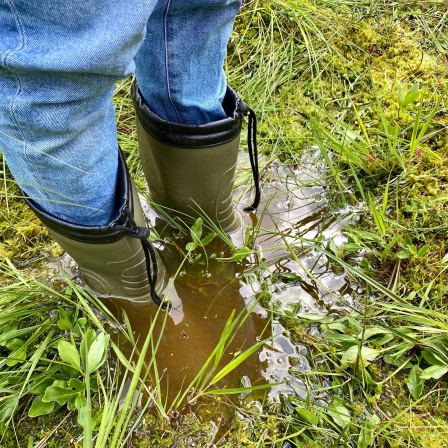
{"points": [[364, 83]]}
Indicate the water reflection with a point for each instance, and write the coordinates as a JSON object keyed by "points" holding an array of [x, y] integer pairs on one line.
{"points": [[294, 209], [207, 291]]}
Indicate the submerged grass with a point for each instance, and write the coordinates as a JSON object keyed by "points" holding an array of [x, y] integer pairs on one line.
{"points": [[365, 83]]}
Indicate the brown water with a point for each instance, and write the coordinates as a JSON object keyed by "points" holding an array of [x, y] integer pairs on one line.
{"points": [[203, 300], [207, 291]]}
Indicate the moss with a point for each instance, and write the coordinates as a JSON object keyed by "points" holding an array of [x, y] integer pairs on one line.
{"points": [[22, 236], [37, 429], [385, 55], [182, 431], [5, 252]]}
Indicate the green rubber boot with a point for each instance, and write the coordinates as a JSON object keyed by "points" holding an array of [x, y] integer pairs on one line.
{"points": [[117, 261], [190, 170]]}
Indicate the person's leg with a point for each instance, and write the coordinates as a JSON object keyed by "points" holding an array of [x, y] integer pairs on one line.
{"points": [[59, 62], [179, 67], [188, 119]]}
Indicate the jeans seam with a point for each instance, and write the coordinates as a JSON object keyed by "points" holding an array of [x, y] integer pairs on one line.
{"points": [[167, 65], [16, 76]]}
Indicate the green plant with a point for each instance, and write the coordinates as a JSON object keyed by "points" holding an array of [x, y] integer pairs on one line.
{"points": [[64, 386], [197, 240], [363, 84]]}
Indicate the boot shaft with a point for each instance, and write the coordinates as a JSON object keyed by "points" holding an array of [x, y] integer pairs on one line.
{"points": [[112, 258], [190, 170]]}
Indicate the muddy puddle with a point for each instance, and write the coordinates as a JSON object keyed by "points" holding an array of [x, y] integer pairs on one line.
{"points": [[206, 291], [272, 281]]}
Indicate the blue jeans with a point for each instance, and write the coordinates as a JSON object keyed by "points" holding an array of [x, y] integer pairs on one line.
{"points": [[59, 62]]}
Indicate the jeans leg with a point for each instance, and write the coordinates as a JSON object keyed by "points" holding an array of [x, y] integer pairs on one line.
{"points": [[59, 61], [179, 66]]}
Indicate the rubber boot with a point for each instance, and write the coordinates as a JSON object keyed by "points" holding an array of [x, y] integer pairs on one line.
{"points": [[116, 260], [190, 170]]}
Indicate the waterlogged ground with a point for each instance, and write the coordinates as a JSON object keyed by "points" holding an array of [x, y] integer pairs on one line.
{"points": [[359, 80], [284, 275]]}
